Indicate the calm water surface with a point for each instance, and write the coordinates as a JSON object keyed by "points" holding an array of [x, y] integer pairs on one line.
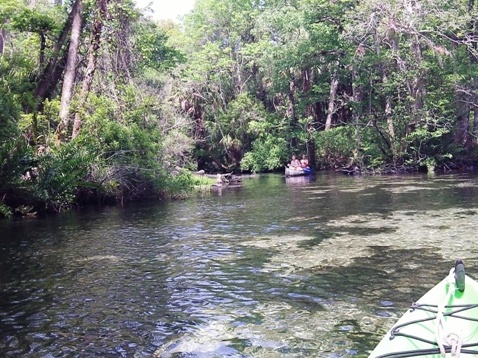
{"points": [[278, 268]]}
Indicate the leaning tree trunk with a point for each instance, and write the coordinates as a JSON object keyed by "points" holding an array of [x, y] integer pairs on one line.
{"points": [[51, 74], [70, 72], [92, 60]]}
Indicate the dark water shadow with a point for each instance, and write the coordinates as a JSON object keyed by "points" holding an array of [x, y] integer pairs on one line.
{"points": [[319, 236]]}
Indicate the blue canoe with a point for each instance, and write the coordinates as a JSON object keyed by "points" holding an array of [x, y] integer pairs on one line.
{"points": [[296, 171]]}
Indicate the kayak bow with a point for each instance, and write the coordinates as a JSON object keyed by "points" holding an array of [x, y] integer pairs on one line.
{"points": [[443, 323]]}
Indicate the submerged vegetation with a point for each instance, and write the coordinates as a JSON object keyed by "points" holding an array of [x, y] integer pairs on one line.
{"points": [[99, 102]]}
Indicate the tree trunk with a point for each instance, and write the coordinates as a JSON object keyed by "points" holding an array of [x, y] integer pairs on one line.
{"points": [[3, 40], [292, 112], [462, 116], [390, 39], [51, 74], [475, 110], [42, 49], [291, 96], [92, 59], [388, 115], [418, 85], [311, 149], [357, 93], [70, 72], [474, 60], [334, 83]]}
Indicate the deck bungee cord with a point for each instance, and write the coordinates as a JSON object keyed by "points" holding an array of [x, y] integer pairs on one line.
{"points": [[395, 332], [424, 352], [456, 281], [425, 307]]}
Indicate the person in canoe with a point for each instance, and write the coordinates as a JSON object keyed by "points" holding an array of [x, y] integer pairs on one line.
{"points": [[294, 163], [304, 162]]}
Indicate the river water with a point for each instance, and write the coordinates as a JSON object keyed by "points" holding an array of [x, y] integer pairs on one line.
{"points": [[281, 267]]}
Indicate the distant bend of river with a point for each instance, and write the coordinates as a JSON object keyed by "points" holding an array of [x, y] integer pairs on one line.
{"points": [[299, 267]]}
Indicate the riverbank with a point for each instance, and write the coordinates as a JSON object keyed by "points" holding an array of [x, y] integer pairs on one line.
{"points": [[58, 187]]}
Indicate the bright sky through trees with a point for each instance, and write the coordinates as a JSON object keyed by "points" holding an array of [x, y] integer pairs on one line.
{"points": [[167, 9]]}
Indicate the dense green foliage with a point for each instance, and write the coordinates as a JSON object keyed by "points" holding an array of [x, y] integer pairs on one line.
{"points": [[99, 102]]}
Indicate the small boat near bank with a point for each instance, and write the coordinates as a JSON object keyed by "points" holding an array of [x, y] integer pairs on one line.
{"points": [[442, 323], [297, 171]]}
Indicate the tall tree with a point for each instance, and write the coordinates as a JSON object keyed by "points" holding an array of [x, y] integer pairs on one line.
{"points": [[98, 22], [70, 70], [51, 74]]}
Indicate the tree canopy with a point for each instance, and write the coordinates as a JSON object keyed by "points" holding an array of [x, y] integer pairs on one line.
{"points": [[135, 105]]}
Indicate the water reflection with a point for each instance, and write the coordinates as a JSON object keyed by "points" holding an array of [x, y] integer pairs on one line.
{"points": [[318, 267]]}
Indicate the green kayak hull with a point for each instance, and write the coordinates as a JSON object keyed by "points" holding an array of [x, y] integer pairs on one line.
{"points": [[418, 333]]}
